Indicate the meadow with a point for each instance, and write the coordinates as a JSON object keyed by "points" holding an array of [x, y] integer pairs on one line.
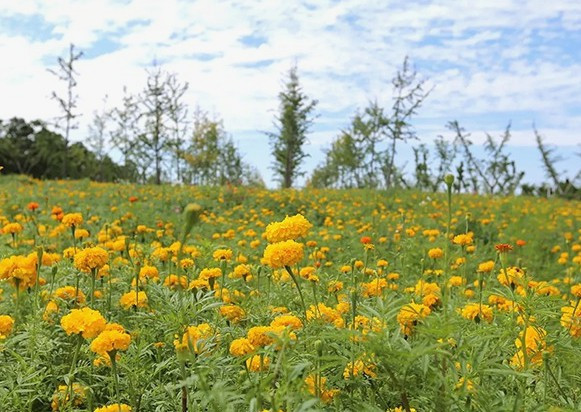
{"points": [[123, 297]]}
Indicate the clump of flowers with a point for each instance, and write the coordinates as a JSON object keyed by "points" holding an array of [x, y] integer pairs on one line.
{"points": [[364, 366], [571, 319], [116, 407], [61, 398], [319, 389]]}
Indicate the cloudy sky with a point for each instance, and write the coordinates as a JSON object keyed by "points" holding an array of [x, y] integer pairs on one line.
{"points": [[490, 62]]}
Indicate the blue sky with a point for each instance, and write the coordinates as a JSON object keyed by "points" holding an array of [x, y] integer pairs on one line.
{"points": [[490, 62]]}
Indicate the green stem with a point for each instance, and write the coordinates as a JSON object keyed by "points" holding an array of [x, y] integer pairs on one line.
{"points": [[290, 272], [112, 356], [73, 364]]}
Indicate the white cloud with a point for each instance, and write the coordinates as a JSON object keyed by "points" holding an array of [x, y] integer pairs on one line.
{"points": [[347, 51]]}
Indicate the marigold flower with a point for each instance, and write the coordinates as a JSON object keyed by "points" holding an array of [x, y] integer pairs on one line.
{"points": [[410, 314], [503, 247], [111, 340], [72, 219], [86, 322], [194, 338], [12, 228], [572, 321], [326, 395], [435, 253], [258, 363], [463, 239], [232, 312], [477, 312], [363, 367], [6, 326], [290, 228], [287, 321], [286, 253], [327, 314], [222, 254], [116, 407], [130, 299], [486, 267], [91, 258], [62, 396], [67, 293], [241, 347]]}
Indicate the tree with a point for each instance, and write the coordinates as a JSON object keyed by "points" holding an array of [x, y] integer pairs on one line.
{"points": [[68, 103], [213, 158], [157, 102], [97, 138], [292, 126], [409, 96]]}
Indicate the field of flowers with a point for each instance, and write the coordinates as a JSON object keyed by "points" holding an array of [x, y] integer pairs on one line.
{"points": [[143, 298]]}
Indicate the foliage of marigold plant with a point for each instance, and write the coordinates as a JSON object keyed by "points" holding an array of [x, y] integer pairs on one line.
{"points": [[229, 299]]}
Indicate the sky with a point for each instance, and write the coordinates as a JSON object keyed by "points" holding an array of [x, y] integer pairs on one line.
{"points": [[489, 62]]}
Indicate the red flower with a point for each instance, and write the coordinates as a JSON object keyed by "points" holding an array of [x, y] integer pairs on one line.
{"points": [[521, 242], [133, 199]]}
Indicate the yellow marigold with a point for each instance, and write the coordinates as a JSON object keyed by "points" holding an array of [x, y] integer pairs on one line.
{"points": [[290, 228], [150, 272], [81, 234], [86, 321], [112, 340], [463, 239], [326, 314], [287, 321], [486, 267], [199, 284], [286, 253], [232, 312], [570, 321], [576, 290], [194, 338], [424, 288], [6, 326], [363, 366], [240, 271], [477, 312], [222, 254], [19, 270], [91, 258], [50, 310], [72, 219], [241, 347], [62, 396], [512, 277], [209, 273], [326, 395], [373, 288], [67, 293], [258, 363], [456, 281], [334, 286], [12, 228], [129, 299], [175, 282], [410, 314], [116, 407], [259, 336], [435, 253]]}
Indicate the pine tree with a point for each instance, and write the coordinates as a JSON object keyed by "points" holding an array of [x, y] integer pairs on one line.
{"points": [[292, 125]]}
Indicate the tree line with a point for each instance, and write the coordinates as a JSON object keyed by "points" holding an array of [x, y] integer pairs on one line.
{"points": [[158, 138]]}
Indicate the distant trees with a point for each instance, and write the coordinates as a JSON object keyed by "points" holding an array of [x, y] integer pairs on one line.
{"points": [[364, 154], [292, 125], [31, 148]]}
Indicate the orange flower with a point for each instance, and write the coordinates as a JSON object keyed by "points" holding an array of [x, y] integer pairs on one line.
{"points": [[32, 206], [503, 248], [365, 240]]}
